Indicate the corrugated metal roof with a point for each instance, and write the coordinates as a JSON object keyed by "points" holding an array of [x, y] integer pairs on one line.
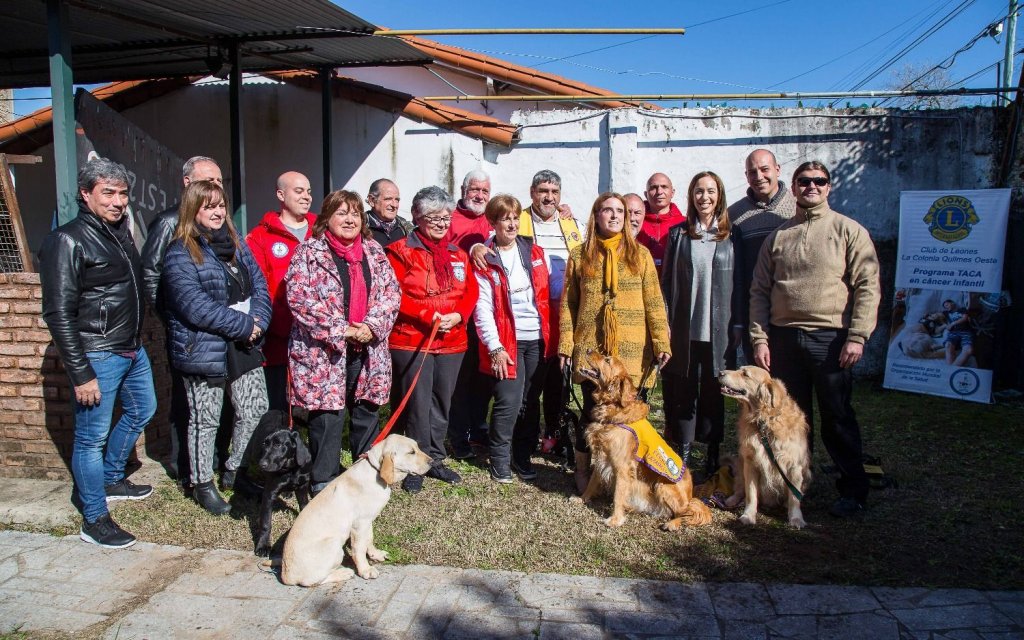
{"points": [[134, 39]]}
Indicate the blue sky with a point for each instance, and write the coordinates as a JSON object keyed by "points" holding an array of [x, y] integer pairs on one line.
{"points": [[772, 45]]}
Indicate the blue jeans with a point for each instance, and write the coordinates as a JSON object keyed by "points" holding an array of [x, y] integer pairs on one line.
{"points": [[92, 467]]}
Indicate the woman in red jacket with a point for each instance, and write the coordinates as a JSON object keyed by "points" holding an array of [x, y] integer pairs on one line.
{"points": [[437, 286], [513, 320]]}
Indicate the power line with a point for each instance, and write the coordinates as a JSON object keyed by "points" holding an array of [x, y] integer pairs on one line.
{"points": [[921, 38], [863, 66], [854, 50], [699, 24]]}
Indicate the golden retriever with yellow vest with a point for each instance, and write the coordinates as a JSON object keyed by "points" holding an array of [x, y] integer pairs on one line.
{"points": [[634, 486]]}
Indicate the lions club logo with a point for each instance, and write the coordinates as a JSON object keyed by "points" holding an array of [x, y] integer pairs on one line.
{"points": [[279, 249], [950, 218]]}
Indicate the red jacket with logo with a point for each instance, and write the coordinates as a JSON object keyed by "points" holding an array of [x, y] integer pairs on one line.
{"points": [[496, 278], [654, 231], [422, 297], [468, 228], [273, 245]]}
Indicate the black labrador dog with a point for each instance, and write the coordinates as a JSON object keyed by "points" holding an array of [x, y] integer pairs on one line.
{"points": [[285, 462]]}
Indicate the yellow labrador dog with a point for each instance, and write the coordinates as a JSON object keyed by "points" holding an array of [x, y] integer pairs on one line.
{"points": [[766, 405], [345, 511]]}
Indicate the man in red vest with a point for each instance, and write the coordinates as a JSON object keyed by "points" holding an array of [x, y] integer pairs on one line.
{"points": [[662, 214], [272, 243]]}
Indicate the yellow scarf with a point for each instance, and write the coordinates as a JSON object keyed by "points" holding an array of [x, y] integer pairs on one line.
{"points": [[609, 321]]}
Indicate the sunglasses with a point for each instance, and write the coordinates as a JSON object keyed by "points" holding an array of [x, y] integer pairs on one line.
{"points": [[806, 182]]}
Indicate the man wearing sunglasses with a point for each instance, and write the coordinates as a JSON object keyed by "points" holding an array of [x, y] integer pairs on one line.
{"points": [[768, 204], [813, 304]]}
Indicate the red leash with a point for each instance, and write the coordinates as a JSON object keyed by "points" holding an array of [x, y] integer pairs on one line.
{"points": [[398, 411]]}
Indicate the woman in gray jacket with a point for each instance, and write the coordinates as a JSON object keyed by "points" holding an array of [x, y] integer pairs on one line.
{"points": [[697, 282]]}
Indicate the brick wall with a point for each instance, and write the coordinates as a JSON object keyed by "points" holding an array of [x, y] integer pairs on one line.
{"points": [[36, 415]]}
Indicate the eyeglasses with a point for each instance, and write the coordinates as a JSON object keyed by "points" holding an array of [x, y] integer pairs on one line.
{"points": [[439, 221], [806, 182]]}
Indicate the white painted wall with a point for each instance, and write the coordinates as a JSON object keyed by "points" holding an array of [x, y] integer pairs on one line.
{"points": [[873, 154]]}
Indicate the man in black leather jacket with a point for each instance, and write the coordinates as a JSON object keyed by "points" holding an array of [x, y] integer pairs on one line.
{"points": [[92, 303], [161, 232]]}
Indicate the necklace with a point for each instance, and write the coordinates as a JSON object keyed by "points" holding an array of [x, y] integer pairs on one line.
{"points": [[501, 257]]}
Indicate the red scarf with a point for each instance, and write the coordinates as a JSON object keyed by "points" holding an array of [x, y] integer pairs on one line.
{"points": [[442, 263], [353, 255]]}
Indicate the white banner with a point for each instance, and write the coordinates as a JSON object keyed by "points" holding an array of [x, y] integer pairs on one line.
{"points": [[949, 296]]}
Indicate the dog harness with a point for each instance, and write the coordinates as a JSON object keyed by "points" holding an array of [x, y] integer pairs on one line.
{"points": [[653, 452]]}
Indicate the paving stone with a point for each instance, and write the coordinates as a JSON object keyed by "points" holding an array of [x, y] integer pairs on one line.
{"points": [[582, 616], [1012, 610], [195, 615], [474, 627], [743, 630], [796, 599], [955, 617], [1005, 596], [22, 539], [960, 634], [1003, 635], [570, 631], [8, 569], [661, 624], [674, 597], [397, 616], [899, 597], [795, 627], [335, 609], [858, 625], [287, 632], [34, 616], [909, 598], [741, 601]]}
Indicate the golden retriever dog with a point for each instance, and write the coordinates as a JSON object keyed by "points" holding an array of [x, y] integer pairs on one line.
{"points": [[345, 511], [921, 343], [634, 487], [765, 401]]}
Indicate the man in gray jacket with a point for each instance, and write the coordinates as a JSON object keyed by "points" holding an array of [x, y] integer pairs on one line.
{"points": [[767, 205]]}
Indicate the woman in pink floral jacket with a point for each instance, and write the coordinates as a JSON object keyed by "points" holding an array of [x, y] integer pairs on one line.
{"points": [[344, 296]]}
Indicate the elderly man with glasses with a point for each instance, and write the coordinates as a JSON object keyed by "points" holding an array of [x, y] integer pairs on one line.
{"points": [[813, 305]]}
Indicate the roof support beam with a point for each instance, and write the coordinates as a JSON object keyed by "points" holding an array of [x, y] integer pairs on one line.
{"points": [[65, 157], [237, 141], [326, 128]]}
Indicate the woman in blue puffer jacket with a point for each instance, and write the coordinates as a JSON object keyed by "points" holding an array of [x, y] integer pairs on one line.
{"points": [[219, 308]]}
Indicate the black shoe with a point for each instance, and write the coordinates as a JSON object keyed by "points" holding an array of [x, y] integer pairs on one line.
{"points": [[208, 498], [412, 484], [501, 475], [525, 471], [463, 452], [127, 490], [444, 474], [105, 533], [846, 508]]}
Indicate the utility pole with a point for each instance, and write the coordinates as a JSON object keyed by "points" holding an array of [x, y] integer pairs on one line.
{"points": [[1011, 30]]}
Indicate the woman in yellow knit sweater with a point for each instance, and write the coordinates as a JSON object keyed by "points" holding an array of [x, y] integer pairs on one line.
{"points": [[612, 304]]}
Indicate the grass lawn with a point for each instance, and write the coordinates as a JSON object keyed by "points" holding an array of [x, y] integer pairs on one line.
{"points": [[953, 521]]}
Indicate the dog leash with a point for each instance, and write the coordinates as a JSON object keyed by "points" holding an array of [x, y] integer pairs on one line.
{"points": [[398, 411], [642, 391], [762, 432]]}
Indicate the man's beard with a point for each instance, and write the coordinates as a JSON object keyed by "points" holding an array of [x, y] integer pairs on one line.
{"points": [[474, 207]]}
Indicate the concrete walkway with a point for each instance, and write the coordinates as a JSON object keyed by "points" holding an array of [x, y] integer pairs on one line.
{"points": [[50, 584], [62, 586]]}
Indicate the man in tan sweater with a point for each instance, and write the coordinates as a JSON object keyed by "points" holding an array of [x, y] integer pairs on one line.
{"points": [[813, 304]]}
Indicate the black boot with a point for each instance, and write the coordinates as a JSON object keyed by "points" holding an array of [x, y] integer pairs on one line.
{"points": [[685, 454], [711, 464], [208, 498]]}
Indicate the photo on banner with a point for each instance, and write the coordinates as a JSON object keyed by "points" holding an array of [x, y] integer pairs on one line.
{"points": [[949, 304]]}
